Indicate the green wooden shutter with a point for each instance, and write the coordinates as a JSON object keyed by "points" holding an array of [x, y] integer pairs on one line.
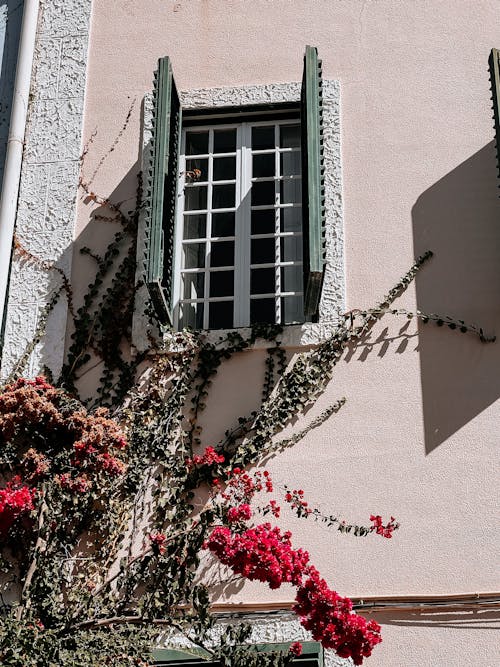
{"points": [[162, 192], [313, 194], [312, 656], [494, 63]]}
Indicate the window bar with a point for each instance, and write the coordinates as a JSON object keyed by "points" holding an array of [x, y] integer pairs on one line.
{"points": [[208, 245], [277, 223], [243, 216]]}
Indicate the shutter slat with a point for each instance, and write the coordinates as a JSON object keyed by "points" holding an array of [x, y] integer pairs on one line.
{"points": [[313, 194], [162, 192], [494, 65]]}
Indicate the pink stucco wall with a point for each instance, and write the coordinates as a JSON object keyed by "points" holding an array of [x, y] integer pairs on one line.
{"points": [[417, 437]]}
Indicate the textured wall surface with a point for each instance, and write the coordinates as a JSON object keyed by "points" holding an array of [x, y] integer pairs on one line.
{"points": [[333, 298], [49, 182]]}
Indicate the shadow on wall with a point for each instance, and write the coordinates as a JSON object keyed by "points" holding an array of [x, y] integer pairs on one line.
{"points": [[471, 619], [458, 218]]}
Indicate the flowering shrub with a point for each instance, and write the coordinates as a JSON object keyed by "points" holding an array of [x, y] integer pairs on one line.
{"points": [[45, 435], [263, 553]]}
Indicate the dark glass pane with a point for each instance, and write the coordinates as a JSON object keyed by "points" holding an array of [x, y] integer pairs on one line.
{"points": [[290, 164], [292, 309], [194, 226], [264, 222], [224, 168], [224, 141], [262, 310], [191, 315], [291, 278], [263, 193], [291, 248], [195, 198], [263, 251], [223, 196], [263, 137], [196, 170], [221, 283], [291, 191], [264, 165], [262, 281], [289, 136], [194, 255], [220, 315], [196, 143], [222, 224], [193, 285], [222, 253], [291, 219]]}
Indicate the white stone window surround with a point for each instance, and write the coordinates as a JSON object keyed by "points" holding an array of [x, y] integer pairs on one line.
{"points": [[275, 627], [332, 303]]}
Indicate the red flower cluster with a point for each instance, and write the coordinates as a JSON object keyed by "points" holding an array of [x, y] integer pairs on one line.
{"points": [[262, 553], [239, 513], [208, 458], [265, 554], [158, 542], [274, 508], [385, 531], [297, 502], [242, 487], [330, 620], [296, 649], [15, 500]]}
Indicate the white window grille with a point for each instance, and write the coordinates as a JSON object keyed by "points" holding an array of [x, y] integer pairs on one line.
{"points": [[239, 226]]}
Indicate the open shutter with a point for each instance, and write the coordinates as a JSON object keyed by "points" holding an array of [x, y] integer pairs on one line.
{"points": [[494, 63], [162, 192], [313, 194]]}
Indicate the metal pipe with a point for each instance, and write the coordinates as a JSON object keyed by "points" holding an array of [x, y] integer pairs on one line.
{"points": [[457, 602], [15, 144]]}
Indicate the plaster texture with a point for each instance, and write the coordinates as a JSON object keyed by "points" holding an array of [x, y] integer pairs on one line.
{"points": [[49, 184]]}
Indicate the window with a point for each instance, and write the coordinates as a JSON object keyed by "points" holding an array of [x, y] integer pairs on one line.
{"points": [[235, 212], [312, 656], [239, 226]]}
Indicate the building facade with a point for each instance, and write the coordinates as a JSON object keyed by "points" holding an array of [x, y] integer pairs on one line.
{"points": [[409, 166]]}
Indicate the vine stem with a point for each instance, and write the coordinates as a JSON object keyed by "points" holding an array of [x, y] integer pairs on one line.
{"points": [[40, 546], [133, 560]]}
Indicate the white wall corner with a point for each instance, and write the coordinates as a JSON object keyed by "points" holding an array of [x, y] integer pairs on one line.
{"points": [[49, 183]]}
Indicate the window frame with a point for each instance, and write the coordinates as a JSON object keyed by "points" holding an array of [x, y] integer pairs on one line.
{"points": [[198, 100], [244, 180]]}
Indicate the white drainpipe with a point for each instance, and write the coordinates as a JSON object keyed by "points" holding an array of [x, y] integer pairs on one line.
{"points": [[15, 144]]}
